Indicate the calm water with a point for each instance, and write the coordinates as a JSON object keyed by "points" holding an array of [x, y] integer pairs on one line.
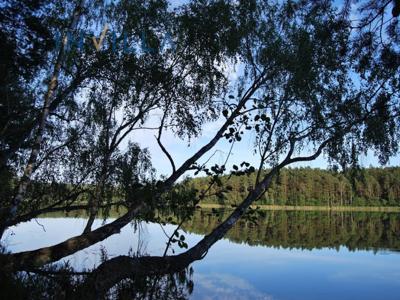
{"points": [[287, 255]]}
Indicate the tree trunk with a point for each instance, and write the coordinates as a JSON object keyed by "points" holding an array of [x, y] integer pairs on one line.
{"points": [[51, 88], [40, 257], [95, 203], [116, 269]]}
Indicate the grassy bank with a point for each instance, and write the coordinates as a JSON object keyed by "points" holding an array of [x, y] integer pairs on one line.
{"points": [[315, 208]]}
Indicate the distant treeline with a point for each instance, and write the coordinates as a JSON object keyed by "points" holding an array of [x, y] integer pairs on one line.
{"points": [[307, 186]]}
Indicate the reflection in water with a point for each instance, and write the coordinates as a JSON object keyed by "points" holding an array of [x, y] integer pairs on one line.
{"points": [[294, 229], [174, 286], [264, 258], [54, 283], [308, 229]]}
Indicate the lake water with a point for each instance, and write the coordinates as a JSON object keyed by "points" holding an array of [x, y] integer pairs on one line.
{"points": [[286, 255]]}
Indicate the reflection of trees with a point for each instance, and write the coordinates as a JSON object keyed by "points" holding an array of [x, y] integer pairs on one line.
{"points": [[308, 229], [149, 277], [173, 286], [64, 284]]}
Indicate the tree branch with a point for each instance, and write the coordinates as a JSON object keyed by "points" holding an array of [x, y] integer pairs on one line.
{"points": [[158, 138]]}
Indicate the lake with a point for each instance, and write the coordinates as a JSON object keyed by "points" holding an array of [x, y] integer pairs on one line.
{"points": [[279, 255]]}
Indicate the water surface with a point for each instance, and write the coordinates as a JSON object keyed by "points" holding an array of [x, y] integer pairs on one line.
{"points": [[284, 255]]}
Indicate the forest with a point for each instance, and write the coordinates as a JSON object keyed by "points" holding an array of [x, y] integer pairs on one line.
{"points": [[307, 186]]}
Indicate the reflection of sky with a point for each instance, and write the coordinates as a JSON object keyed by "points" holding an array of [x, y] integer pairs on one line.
{"points": [[233, 271], [317, 274]]}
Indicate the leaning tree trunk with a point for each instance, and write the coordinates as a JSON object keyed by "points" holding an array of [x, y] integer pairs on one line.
{"points": [[121, 267], [40, 257], [37, 258], [94, 203], [116, 269], [51, 88]]}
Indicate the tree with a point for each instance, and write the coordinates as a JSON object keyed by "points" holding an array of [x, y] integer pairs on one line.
{"points": [[311, 84]]}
